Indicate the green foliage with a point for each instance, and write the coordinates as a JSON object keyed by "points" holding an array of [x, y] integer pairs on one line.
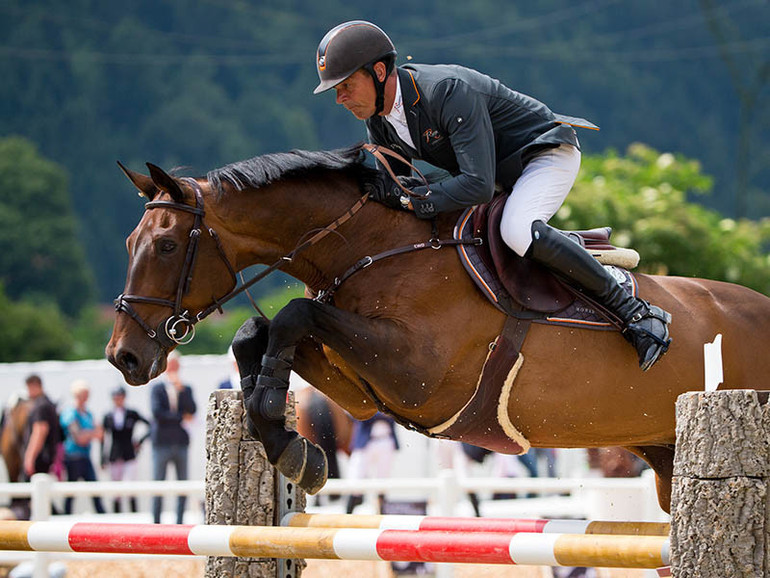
{"points": [[643, 196], [41, 257], [30, 332], [90, 333], [205, 84], [208, 83]]}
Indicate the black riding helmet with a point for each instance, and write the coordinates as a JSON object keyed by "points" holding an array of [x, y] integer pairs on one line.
{"points": [[350, 46]]}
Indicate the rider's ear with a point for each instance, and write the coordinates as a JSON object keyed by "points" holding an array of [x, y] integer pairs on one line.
{"points": [[166, 183], [145, 185]]}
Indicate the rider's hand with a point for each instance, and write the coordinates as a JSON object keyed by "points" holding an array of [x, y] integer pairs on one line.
{"points": [[411, 182], [383, 189]]}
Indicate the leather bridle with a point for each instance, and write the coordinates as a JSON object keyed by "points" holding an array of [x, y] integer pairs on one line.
{"points": [[179, 328]]}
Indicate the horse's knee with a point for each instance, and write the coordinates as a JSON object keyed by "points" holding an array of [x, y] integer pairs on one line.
{"points": [[291, 323], [249, 345]]}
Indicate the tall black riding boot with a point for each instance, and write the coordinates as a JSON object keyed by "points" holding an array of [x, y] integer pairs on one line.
{"points": [[645, 326]]}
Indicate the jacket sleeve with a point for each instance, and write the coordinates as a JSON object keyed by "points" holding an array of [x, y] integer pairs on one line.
{"points": [[464, 116]]}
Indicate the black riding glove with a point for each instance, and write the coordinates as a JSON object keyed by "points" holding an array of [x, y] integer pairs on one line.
{"points": [[382, 189], [385, 190]]}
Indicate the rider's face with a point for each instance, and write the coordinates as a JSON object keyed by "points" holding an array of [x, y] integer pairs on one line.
{"points": [[357, 94]]}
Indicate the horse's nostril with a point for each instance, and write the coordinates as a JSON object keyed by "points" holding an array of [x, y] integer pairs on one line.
{"points": [[127, 361]]}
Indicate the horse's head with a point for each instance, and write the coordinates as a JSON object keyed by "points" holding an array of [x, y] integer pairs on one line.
{"points": [[177, 268]]}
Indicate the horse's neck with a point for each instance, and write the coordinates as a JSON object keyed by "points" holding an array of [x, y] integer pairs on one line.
{"points": [[270, 223]]}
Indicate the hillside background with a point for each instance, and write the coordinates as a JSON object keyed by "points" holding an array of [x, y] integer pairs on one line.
{"points": [[202, 84]]}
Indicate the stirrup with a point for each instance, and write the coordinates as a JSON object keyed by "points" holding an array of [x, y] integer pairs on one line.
{"points": [[649, 346]]}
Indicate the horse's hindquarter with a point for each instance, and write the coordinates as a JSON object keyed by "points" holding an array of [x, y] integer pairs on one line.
{"points": [[740, 315], [583, 388]]}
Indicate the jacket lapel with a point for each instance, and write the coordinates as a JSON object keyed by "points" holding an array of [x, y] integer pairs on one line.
{"points": [[411, 97]]}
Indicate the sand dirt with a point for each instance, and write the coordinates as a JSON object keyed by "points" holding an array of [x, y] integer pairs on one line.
{"points": [[193, 568]]}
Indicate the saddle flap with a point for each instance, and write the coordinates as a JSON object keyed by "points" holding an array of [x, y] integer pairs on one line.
{"points": [[530, 284]]}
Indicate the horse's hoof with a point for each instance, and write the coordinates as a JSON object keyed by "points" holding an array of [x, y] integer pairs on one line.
{"points": [[305, 464]]}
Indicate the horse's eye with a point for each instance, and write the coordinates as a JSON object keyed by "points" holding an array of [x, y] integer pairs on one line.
{"points": [[166, 246]]}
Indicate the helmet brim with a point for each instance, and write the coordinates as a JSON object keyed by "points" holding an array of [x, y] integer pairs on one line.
{"points": [[323, 87], [328, 84]]}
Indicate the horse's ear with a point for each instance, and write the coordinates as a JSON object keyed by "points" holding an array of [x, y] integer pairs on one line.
{"points": [[166, 183], [145, 185]]}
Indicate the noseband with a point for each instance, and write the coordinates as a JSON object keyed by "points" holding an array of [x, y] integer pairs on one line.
{"points": [[179, 328]]}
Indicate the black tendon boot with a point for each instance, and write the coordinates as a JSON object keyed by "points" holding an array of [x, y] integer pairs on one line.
{"points": [[645, 326]]}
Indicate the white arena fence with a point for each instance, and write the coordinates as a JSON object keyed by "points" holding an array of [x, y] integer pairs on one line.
{"points": [[444, 495]]}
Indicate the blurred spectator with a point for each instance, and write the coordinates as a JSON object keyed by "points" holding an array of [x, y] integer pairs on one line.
{"points": [[470, 454], [40, 442], [233, 380], [173, 407], [373, 447], [43, 435], [533, 461], [80, 430], [537, 462], [615, 462], [120, 457]]}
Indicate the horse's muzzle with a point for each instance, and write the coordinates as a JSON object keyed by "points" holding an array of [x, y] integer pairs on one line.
{"points": [[134, 367]]}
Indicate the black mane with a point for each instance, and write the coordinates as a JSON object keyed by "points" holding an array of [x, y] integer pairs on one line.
{"points": [[266, 169]]}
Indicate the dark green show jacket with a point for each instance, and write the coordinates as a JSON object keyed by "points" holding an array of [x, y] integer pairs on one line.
{"points": [[474, 127]]}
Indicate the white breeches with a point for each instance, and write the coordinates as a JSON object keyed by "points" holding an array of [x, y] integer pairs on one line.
{"points": [[538, 193]]}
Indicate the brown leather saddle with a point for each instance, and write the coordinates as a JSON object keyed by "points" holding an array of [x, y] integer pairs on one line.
{"points": [[511, 282], [527, 292]]}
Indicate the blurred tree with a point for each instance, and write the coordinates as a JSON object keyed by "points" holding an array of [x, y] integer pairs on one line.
{"points": [[32, 332], [643, 196], [208, 83], [216, 333], [750, 76], [41, 257]]}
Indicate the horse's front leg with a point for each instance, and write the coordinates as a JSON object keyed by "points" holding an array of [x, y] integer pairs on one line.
{"points": [[265, 381]]}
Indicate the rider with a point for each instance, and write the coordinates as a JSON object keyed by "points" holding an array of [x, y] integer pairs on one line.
{"points": [[486, 136]]}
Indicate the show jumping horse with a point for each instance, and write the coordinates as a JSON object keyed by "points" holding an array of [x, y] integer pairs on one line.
{"points": [[411, 333]]}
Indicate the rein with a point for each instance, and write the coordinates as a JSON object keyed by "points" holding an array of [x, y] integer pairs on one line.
{"points": [[325, 295], [179, 328], [380, 152]]}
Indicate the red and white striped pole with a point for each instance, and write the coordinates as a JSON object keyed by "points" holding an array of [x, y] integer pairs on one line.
{"points": [[448, 524], [339, 543]]}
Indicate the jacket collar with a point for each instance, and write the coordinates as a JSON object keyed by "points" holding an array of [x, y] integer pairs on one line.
{"points": [[412, 98]]}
